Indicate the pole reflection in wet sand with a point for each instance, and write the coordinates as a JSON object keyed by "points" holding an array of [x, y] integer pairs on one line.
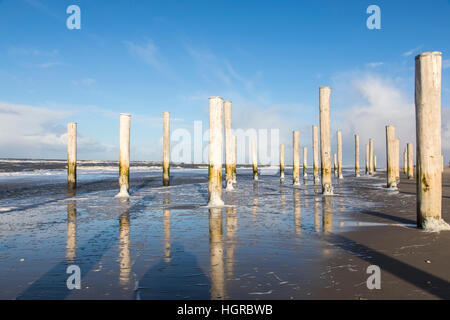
{"points": [[216, 254], [166, 222], [283, 200], [124, 243], [327, 214], [71, 246], [317, 214], [297, 212], [231, 224], [255, 201]]}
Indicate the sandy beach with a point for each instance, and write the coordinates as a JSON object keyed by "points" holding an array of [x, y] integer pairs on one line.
{"points": [[270, 241]]}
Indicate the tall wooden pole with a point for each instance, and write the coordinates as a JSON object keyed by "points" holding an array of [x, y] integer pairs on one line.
{"points": [[305, 162], [124, 158], [215, 151], [166, 148], [316, 154], [357, 156], [325, 145], [410, 161], [390, 157], [255, 160], [71, 155], [228, 145], [282, 162], [371, 156], [296, 158]]}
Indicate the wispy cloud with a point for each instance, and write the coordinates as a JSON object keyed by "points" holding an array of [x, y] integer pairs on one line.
{"points": [[149, 53], [374, 64], [412, 51]]}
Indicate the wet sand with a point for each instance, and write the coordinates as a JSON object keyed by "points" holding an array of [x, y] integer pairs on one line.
{"points": [[272, 241]]}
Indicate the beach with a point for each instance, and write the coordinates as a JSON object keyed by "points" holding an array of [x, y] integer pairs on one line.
{"points": [[270, 241]]}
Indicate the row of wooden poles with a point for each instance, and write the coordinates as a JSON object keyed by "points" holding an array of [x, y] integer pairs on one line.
{"points": [[429, 161]]}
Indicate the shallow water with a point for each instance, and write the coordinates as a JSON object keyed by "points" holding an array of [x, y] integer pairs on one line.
{"points": [[269, 241]]}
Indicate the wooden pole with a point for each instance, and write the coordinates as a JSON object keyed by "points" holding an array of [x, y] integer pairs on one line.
{"points": [[397, 159], [371, 157], [335, 163], [228, 145], [166, 148], [316, 154], [296, 158], [339, 141], [255, 160], [215, 151], [124, 159], [325, 145], [71, 155], [428, 67], [405, 161], [390, 157], [357, 156], [282, 162], [305, 162], [375, 163], [410, 161], [367, 159]]}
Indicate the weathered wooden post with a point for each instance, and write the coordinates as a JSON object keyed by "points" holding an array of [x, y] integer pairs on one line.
{"points": [[72, 155], [282, 162], [357, 156], [375, 163], [296, 158], [215, 151], [325, 146], [339, 142], [371, 156], [367, 159], [228, 145], [124, 159], [166, 148], [390, 157], [428, 138], [234, 157], [335, 163], [305, 162], [405, 161], [255, 160], [410, 161], [316, 154], [397, 159]]}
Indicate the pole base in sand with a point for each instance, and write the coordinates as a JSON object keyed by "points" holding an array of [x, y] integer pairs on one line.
{"points": [[327, 190], [123, 193], [316, 180], [215, 201], [434, 225], [230, 185]]}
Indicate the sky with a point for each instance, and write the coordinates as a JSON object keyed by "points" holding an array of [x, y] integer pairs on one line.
{"points": [[269, 58]]}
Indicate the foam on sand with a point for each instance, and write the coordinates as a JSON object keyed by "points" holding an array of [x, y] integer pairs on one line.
{"points": [[435, 225]]}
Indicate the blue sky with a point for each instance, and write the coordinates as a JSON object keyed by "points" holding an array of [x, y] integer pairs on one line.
{"points": [[268, 57]]}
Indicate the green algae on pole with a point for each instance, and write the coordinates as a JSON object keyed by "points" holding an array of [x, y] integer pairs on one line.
{"points": [[215, 151], [316, 154], [371, 156], [166, 149], [339, 143], [305, 162], [390, 157], [296, 158], [325, 145], [228, 145], [72, 155], [428, 68], [282, 162], [410, 160], [357, 156], [124, 158], [255, 160]]}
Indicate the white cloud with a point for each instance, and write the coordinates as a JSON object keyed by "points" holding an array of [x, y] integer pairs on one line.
{"points": [[38, 132], [410, 52], [374, 64]]}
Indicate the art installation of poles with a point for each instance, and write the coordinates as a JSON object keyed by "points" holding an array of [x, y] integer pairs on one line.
{"points": [[255, 160], [71, 155], [371, 156], [282, 162], [428, 138], [357, 156], [410, 160], [296, 158], [325, 145], [390, 157], [166, 149], [316, 154], [397, 159], [305, 162], [228, 145], [367, 158], [339, 142], [215, 151], [124, 158]]}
